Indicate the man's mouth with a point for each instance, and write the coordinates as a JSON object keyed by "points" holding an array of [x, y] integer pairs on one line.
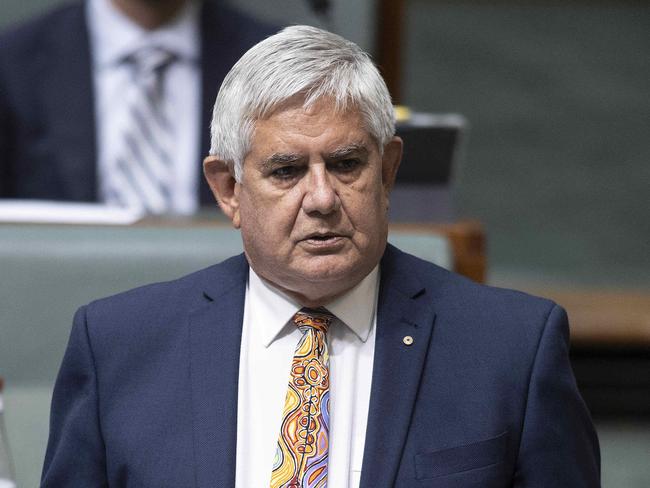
{"points": [[323, 239]]}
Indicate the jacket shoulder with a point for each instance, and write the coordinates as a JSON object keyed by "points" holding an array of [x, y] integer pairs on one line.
{"points": [[173, 297], [22, 39], [453, 292]]}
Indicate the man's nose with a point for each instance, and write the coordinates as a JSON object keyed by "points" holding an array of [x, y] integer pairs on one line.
{"points": [[320, 194]]}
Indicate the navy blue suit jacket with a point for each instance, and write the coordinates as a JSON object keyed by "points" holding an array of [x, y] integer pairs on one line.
{"points": [[47, 113], [483, 398]]}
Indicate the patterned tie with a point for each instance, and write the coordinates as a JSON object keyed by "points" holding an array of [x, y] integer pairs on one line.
{"points": [[302, 452], [141, 175]]}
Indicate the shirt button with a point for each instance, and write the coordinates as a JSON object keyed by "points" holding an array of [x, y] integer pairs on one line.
{"points": [[408, 340]]}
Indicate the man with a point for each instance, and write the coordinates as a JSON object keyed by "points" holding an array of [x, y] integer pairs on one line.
{"points": [[401, 374], [71, 80]]}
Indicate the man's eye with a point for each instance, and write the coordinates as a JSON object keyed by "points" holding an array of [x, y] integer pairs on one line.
{"points": [[285, 172], [346, 165]]}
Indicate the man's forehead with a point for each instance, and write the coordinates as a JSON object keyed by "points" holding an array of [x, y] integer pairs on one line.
{"points": [[320, 111], [293, 130], [323, 110], [334, 148]]}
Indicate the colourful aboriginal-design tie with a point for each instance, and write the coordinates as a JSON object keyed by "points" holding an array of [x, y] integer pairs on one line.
{"points": [[302, 452]]}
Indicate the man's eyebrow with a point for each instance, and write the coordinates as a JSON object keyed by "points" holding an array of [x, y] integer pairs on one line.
{"points": [[279, 159], [348, 150]]}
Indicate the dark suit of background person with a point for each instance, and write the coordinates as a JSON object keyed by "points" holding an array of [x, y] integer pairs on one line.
{"points": [[48, 147], [485, 393]]}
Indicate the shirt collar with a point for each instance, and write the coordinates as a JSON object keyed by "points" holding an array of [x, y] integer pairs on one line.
{"points": [[356, 309], [114, 36]]}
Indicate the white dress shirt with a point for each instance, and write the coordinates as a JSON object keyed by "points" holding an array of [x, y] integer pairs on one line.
{"points": [[269, 339], [114, 36]]}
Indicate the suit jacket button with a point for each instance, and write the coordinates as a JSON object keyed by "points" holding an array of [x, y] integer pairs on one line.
{"points": [[408, 340]]}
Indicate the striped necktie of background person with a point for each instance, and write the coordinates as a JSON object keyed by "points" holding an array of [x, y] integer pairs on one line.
{"points": [[141, 176], [302, 452]]}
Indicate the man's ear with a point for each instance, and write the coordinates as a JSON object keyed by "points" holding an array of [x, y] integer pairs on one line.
{"points": [[224, 187], [390, 163]]}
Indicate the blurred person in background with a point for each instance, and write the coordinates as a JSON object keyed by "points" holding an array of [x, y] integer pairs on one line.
{"points": [[103, 101]]}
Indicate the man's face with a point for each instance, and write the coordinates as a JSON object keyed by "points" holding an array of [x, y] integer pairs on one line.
{"points": [[313, 200]]}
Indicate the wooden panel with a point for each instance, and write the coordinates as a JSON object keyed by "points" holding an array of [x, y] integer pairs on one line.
{"points": [[605, 317], [390, 20]]}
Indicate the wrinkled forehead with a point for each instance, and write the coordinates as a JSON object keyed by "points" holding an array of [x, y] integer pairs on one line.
{"points": [[324, 108], [321, 126]]}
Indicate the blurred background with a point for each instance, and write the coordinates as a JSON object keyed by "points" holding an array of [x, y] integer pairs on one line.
{"points": [[555, 164], [550, 166]]}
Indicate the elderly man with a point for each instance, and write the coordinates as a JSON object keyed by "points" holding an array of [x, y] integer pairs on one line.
{"points": [[322, 356]]}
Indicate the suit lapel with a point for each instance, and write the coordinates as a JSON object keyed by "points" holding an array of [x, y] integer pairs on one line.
{"points": [[215, 338], [402, 312], [67, 94]]}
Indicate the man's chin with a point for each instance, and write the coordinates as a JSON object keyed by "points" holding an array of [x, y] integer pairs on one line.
{"points": [[323, 268], [332, 277]]}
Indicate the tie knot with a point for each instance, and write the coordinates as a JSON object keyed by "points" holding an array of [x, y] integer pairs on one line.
{"points": [[316, 319], [151, 59]]}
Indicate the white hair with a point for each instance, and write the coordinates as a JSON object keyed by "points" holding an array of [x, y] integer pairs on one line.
{"points": [[297, 61]]}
